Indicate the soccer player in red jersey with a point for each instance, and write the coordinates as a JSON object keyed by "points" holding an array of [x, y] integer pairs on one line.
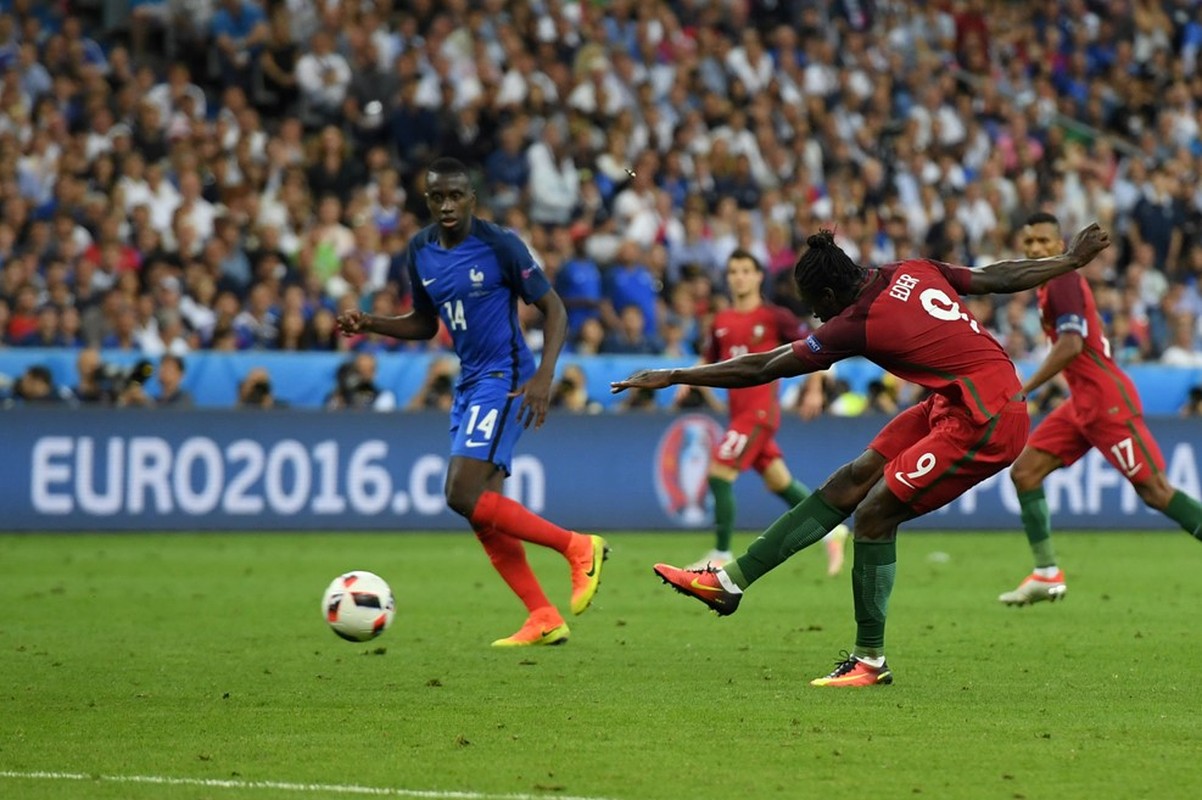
{"points": [[752, 326], [1103, 411], [907, 318]]}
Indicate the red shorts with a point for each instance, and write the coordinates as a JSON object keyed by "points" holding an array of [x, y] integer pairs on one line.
{"points": [[936, 452], [747, 442], [1070, 432]]}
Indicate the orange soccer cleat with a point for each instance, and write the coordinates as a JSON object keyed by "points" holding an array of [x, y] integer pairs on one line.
{"points": [[851, 671], [543, 627], [586, 554], [1035, 589], [702, 584]]}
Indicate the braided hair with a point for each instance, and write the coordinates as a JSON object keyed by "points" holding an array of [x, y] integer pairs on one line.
{"points": [[824, 266]]}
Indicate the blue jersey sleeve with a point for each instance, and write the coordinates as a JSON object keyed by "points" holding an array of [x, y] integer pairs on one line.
{"points": [[519, 269], [421, 298]]}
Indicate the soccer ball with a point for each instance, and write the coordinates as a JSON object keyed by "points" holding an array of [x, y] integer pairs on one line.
{"points": [[358, 606]]}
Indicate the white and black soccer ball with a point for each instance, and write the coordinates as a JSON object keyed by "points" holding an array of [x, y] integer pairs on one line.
{"points": [[358, 606]]}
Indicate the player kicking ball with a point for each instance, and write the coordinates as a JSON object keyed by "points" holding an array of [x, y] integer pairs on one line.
{"points": [[1103, 411], [907, 318], [470, 273], [752, 326]]}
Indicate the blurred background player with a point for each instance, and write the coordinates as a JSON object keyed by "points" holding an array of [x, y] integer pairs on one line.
{"points": [[906, 317], [752, 326], [1103, 411], [470, 273]]}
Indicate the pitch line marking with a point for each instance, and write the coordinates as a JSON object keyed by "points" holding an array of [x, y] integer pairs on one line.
{"points": [[287, 786]]}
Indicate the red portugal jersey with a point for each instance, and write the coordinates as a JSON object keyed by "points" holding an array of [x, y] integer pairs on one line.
{"points": [[760, 330], [908, 319], [1097, 385]]}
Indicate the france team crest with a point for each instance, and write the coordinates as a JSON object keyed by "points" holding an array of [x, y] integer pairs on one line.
{"points": [[681, 466]]}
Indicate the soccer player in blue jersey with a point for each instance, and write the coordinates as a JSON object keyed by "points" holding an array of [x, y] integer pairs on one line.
{"points": [[471, 273]]}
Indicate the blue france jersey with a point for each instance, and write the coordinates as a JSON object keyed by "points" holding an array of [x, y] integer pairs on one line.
{"points": [[474, 288]]}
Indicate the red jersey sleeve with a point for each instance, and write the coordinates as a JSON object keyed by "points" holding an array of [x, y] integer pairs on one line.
{"points": [[788, 327], [840, 338], [958, 277], [1066, 305]]}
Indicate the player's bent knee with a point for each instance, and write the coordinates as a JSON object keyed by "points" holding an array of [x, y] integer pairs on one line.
{"points": [[842, 490], [1156, 492], [1025, 476], [1031, 468], [462, 500]]}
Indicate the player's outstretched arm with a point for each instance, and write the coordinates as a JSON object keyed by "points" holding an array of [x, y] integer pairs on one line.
{"points": [[417, 324], [751, 369], [1007, 277]]}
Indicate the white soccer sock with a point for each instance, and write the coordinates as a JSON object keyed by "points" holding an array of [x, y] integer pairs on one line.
{"points": [[1047, 572], [727, 583], [875, 663]]}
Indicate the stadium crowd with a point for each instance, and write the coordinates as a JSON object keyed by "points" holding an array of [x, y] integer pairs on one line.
{"points": [[230, 174]]}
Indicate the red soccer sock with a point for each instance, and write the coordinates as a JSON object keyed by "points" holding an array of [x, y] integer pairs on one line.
{"points": [[506, 516], [509, 559]]}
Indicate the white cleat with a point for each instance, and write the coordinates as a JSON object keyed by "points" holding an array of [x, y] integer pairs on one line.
{"points": [[836, 542], [714, 558], [1036, 589]]}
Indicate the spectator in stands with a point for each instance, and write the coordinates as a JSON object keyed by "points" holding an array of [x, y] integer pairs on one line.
{"points": [[630, 283], [277, 65], [437, 390], [590, 339], [238, 29], [323, 77], [1182, 350], [171, 391], [47, 332], [578, 279], [507, 171], [332, 172], [177, 95], [88, 388], [1193, 405], [254, 392], [631, 338], [257, 324], [554, 183], [356, 388], [571, 392], [34, 388]]}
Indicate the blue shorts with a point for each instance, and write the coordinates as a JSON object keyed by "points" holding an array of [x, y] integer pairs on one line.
{"points": [[484, 422]]}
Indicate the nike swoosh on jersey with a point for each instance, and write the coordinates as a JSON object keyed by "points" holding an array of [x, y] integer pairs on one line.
{"points": [[428, 281], [902, 478], [476, 444]]}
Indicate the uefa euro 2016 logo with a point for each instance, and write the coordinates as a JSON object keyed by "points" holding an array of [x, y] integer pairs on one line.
{"points": [[681, 466]]}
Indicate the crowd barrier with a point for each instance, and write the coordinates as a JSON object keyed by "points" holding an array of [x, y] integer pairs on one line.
{"points": [[90, 469], [305, 380]]}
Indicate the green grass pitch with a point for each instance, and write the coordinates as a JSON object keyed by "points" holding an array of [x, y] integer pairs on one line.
{"points": [[205, 657]]}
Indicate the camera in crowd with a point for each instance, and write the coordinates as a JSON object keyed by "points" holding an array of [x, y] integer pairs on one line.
{"points": [[255, 390], [355, 390], [114, 380]]}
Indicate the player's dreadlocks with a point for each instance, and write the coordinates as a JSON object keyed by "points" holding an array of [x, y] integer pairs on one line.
{"points": [[823, 265]]}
